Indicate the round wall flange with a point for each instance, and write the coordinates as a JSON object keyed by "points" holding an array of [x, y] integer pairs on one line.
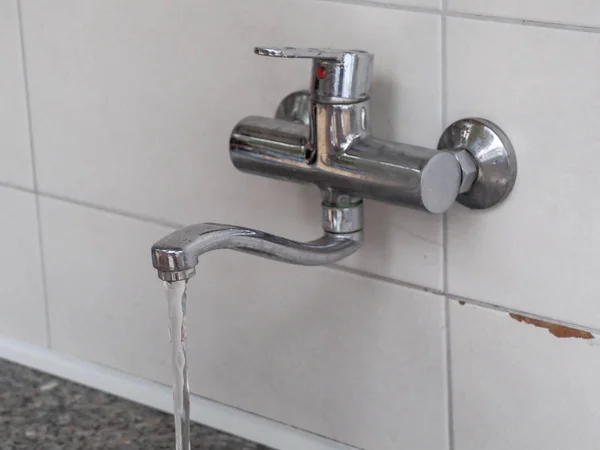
{"points": [[295, 108], [494, 155]]}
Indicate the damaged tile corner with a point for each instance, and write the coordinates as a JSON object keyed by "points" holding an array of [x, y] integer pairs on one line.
{"points": [[560, 331]]}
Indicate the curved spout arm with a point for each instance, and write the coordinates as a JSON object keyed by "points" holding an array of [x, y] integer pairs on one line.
{"points": [[175, 256]]}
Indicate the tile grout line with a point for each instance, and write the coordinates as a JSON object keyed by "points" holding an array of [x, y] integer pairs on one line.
{"points": [[447, 331], [457, 298], [507, 310], [16, 187], [524, 22], [385, 5], [384, 279], [473, 16], [107, 209], [34, 175]]}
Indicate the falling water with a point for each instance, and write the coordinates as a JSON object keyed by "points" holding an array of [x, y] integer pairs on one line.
{"points": [[177, 298]]}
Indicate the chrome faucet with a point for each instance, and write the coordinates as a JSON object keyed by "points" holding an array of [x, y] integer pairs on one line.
{"points": [[176, 255], [323, 136]]}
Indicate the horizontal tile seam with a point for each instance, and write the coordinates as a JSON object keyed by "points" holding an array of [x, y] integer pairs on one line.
{"points": [[503, 309], [114, 211], [386, 5], [338, 268], [524, 22], [474, 16], [17, 187], [384, 279]]}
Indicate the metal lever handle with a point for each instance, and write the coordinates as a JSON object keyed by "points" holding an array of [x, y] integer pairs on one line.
{"points": [[326, 54], [338, 76]]}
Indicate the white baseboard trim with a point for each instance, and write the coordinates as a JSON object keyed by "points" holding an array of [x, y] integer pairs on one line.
{"points": [[155, 395]]}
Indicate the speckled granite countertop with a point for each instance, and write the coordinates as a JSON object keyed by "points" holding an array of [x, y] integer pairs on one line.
{"points": [[42, 412]]}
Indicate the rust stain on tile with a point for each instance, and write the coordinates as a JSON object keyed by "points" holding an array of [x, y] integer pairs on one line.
{"points": [[462, 302], [560, 331]]}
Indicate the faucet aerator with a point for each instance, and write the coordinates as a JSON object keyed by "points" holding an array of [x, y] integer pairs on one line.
{"points": [[180, 275]]}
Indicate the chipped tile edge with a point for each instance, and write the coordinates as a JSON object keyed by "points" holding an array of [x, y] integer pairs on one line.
{"points": [[558, 328]]}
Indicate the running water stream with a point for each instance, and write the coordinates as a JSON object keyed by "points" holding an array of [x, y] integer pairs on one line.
{"points": [[177, 299]]}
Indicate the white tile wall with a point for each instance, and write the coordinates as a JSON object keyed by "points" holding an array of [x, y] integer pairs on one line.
{"points": [[538, 251], [577, 12], [155, 99], [128, 96], [353, 359], [516, 386], [15, 153], [22, 305]]}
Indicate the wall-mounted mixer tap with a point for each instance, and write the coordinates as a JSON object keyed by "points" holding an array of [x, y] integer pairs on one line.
{"points": [[323, 136]]}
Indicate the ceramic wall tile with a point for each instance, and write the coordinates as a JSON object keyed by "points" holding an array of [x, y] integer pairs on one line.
{"points": [[22, 305], [15, 151], [519, 386], [537, 251]]}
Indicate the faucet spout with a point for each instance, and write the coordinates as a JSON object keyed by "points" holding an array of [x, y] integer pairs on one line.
{"points": [[176, 255]]}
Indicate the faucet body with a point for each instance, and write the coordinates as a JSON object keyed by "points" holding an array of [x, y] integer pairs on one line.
{"points": [[329, 143], [336, 147], [358, 164]]}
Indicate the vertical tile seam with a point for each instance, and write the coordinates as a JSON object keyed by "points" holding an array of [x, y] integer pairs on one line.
{"points": [[34, 174], [447, 335]]}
